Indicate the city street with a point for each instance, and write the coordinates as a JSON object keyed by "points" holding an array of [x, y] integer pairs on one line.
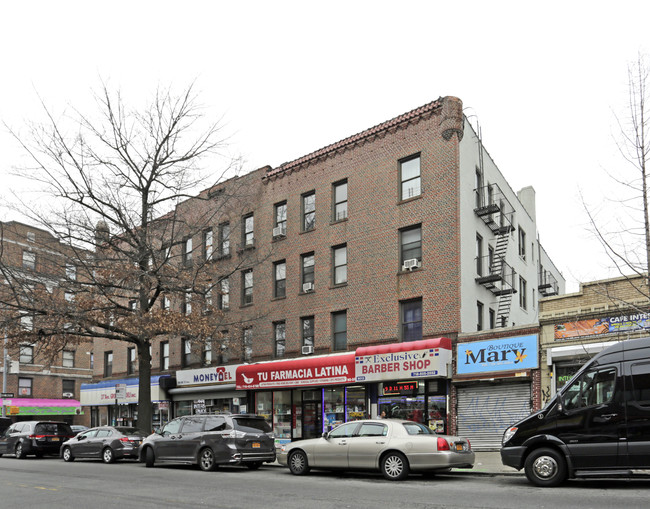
{"points": [[51, 483]]}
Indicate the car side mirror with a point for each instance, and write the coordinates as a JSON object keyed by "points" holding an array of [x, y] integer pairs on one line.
{"points": [[81, 437], [326, 435]]}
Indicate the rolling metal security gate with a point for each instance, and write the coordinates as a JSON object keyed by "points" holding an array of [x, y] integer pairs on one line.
{"points": [[484, 412]]}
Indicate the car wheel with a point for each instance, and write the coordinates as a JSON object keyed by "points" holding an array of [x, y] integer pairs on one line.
{"points": [[298, 463], [206, 460], [254, 466], [149, 457], [108, 455], [67, 454], [545, 468], [394, 466], [20, 452]]}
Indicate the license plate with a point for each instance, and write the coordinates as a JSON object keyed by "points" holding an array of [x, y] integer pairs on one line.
{"points": [[459, 447], [55, 439], [256, 445]]}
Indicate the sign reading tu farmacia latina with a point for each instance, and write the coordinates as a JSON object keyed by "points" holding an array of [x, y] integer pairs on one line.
{"points": [[507, 354]]}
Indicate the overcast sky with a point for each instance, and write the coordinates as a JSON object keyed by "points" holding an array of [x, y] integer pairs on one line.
{"points": [[541, 78]]}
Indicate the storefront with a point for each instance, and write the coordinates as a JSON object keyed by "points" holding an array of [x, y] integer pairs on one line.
{"points": [[493, 387], [207, 390], [107, 409], [302, 398], [24, 409]]}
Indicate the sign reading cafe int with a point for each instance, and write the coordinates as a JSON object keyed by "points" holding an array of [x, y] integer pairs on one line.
{"points": [[506, 354]]}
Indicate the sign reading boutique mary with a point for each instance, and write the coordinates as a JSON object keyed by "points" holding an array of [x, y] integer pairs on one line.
{"points": [[493, 386]]}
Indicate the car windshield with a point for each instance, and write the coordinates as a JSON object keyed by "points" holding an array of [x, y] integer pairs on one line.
{"points": [[127, 430], [52, 428], [415, 428], [251, 425]]}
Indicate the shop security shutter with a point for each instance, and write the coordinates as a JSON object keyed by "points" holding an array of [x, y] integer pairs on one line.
{"points": [[485, 411]]}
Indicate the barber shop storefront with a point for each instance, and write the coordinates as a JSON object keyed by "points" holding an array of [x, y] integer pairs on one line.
{"points": [[115, 402], [494, 387], [302, 398]]}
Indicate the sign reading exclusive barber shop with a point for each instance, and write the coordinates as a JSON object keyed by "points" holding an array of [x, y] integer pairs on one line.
{"points": [[507, 354]]}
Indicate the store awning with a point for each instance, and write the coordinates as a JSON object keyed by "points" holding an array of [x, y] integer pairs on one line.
{"points": [[103, 393], [44, 407], [306, 371], [427, 358]]}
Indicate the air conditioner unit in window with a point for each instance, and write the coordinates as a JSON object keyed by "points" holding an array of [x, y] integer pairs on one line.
{"points": [[279, 231], [410, 264], [306, 350], [308, 287], [68, 395]]}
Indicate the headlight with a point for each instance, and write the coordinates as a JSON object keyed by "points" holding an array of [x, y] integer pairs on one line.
{"points": [[509, 433]]}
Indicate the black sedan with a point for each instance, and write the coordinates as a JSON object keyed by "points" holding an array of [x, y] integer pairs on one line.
{"points": [[109, 443]]}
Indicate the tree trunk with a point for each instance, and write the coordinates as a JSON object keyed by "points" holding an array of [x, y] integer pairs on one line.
{"points": [[144, 385]]}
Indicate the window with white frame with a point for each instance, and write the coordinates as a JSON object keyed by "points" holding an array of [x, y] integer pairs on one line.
{"points": [[187, 251], [130, 360], [307, 263], [280, 279], [25, 387], [71, 271], [522, 243], [68, 358], [208, 244], [29, 260], [280, 222], [248, 344], [307, 328], [108, 364], [340, 264], [279, 334], [224, 294], [26, 354], [224, 239], [186, 359], [340, 201], [410, 177], [249, 231], [187, 302], [308, 211], [164, 355], [411, 247], [522, 293], [207, 352], [247, 287]]}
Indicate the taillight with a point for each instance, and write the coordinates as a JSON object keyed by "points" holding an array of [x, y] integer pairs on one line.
{"points": [[37, 436], [124, 439], [443, 445], [235, 433], [469, 446]]}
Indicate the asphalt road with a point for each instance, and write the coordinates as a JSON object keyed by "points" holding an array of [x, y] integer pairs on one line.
{"points": [[51, 483]]}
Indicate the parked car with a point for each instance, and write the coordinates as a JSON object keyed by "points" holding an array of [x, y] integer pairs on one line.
{"points": [[597, 425], [34, 437], [109, 443], [211, 440], [78, 428], [393, 446]]}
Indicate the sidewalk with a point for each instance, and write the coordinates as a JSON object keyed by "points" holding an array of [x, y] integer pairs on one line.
{"points": [[488, 463]]}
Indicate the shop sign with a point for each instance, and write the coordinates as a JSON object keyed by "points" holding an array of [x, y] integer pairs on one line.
{"points": [[507, 354], [400, 388], [204, 376], [406, 364], [610, 324], [328, 370]]}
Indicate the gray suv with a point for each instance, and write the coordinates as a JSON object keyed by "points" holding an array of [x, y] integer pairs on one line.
{"points": [[211, 440]]}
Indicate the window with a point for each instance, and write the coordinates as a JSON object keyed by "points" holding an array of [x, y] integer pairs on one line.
{"points": [[207, 244], [130, 360], [31, 237], [280, 222], [186, 305], [491, 267], [25, 387], [133, 305], [207, 299], [307, 263], [411, 316], [249, 233], [373, 430], [522, 293], [108, 364], [68, 358], [340, 199], [186, 360], [479, 255], [279, 279], [592, 388], [71, 271], [307, 331], [308, 211], [479, 315], [164, 355], [340, 330], [29, 260], [344, 431], [493, 318], [27, 322], [68, 387], [224, 294], [26, 355], [224, 239], [247, 286], [279, 334], [411, 245], [92, 360], [641, 383], [340, 262], [207, 352], [410, 177], [187, 251], [164, 302], [522, 243], [248, 344]]}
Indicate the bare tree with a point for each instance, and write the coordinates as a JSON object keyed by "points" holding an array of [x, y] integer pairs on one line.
{"points": [[131, 229], [625, 235]]}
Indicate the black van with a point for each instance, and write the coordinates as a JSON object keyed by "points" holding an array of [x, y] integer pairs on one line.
{"points": [[598, 425]]}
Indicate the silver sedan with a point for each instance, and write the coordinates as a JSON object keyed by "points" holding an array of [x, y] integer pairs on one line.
{"points": [[395, 447]]}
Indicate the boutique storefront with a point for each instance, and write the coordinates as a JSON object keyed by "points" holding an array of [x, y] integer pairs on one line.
{"points": [[109, 407]]}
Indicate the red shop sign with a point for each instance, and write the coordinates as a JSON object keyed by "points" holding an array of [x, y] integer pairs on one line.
{"points": [[325, 370]]}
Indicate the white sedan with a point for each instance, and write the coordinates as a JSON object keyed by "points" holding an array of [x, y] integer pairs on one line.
{"points": [[393, 446]]}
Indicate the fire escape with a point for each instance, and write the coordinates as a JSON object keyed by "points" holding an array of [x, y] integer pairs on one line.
{"points": [[493, 271], [547, 284]]}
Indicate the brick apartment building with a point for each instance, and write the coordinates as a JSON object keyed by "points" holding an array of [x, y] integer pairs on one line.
{"points": [[375, 245], [40, 385]]}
